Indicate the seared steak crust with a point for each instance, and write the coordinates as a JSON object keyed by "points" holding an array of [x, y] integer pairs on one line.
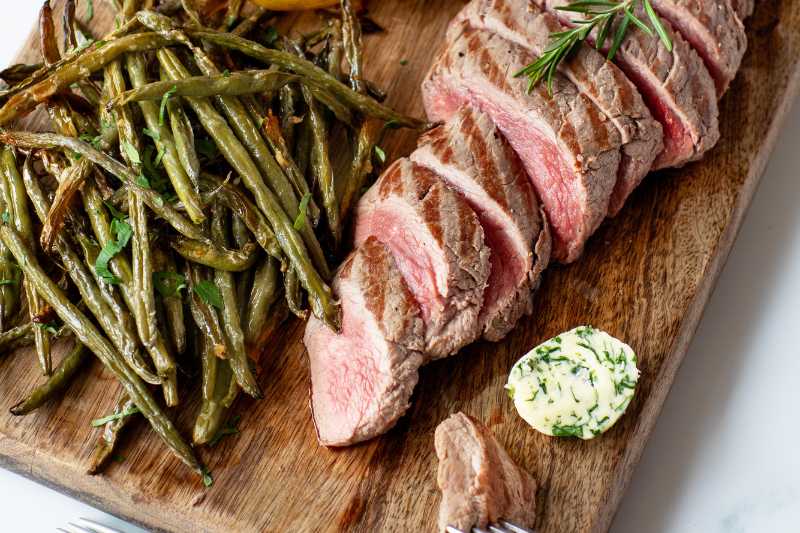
{"points": [[675, 85], [471, 155], [522, 22], [480, 483], [713, 30], [437, 242], [569, 148], [361, 380]]}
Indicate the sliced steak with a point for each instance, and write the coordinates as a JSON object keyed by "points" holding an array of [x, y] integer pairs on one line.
{"points": [[361, 379], [474, 159], [480, 483], [522, 22], [675, 85], [568, 147], [437, 242], [713, 30]]}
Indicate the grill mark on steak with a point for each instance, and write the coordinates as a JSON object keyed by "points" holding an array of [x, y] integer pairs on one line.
{"points": [[470, 154], [437, 243], [362, 379], [712, 28], [570, 152]]}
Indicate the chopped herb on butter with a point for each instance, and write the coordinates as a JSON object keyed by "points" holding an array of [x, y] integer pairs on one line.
{"points": [[574, 385]]}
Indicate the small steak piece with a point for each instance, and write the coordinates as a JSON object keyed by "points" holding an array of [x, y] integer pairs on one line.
{"points": [[361, 379], [743, 8], [570, 150], [480, 483], [437, 242], [713, 30], [471, 155], [522, 22], [675, 85]]}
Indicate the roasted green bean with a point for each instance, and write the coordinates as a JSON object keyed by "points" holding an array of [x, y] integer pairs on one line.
{"points": [[100, 346], [184, 139], [17, 337], [145, 310], [265, 284], [22, 220], [239, 203], [232, 84], [247, 25], [164, 262], [361, 165], [112, 432], [203, 312], [213, 255], [10, 289], [164, 140], [61, 379], [215, 408], [229, 316], [351, 30]]}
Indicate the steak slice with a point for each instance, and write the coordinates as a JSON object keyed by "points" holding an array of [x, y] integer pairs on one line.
{"points": [[480, 483], [713, 30], [568, 147], [474, 159], [437, 242], [675, 85], [361, 379], [522, 22]]}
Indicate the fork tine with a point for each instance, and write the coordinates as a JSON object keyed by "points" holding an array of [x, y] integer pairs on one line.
{"points": [[498, 529], [79, 529], [478, 530], [98, 528], [514, 528], [451, 529]]}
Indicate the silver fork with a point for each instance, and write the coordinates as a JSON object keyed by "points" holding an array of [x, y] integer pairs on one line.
{"points": [[502, 527], [87, 526]]}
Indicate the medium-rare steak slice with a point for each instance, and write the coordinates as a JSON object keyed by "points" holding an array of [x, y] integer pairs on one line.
{"points": [[480, 483], [569, 148], [522, 22], [474, 159], [675, 85], [437, 242], [361, 379], [713, 30]]}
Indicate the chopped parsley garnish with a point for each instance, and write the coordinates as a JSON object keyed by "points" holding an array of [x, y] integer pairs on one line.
{"points": [[168, 290], [301, 217], [109, 418], [229, 429], [209, 293]]}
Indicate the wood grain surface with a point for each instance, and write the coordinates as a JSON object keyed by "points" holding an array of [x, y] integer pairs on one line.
{"points": [[645, 277]]}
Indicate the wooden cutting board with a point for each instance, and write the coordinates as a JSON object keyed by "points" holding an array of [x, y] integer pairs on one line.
{"points": [[645, 277]]}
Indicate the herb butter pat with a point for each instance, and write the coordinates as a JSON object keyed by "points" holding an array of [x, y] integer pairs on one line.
{"points": [[574, 385]]}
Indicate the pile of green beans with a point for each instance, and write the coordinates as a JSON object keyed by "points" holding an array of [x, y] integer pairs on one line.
{"points": [[194, 205]]}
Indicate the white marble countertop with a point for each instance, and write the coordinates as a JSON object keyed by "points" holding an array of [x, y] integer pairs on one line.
{"points": [[724, 454]]}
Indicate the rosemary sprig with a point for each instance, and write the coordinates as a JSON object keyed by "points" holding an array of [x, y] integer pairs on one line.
{"points": [[568, 42]]}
